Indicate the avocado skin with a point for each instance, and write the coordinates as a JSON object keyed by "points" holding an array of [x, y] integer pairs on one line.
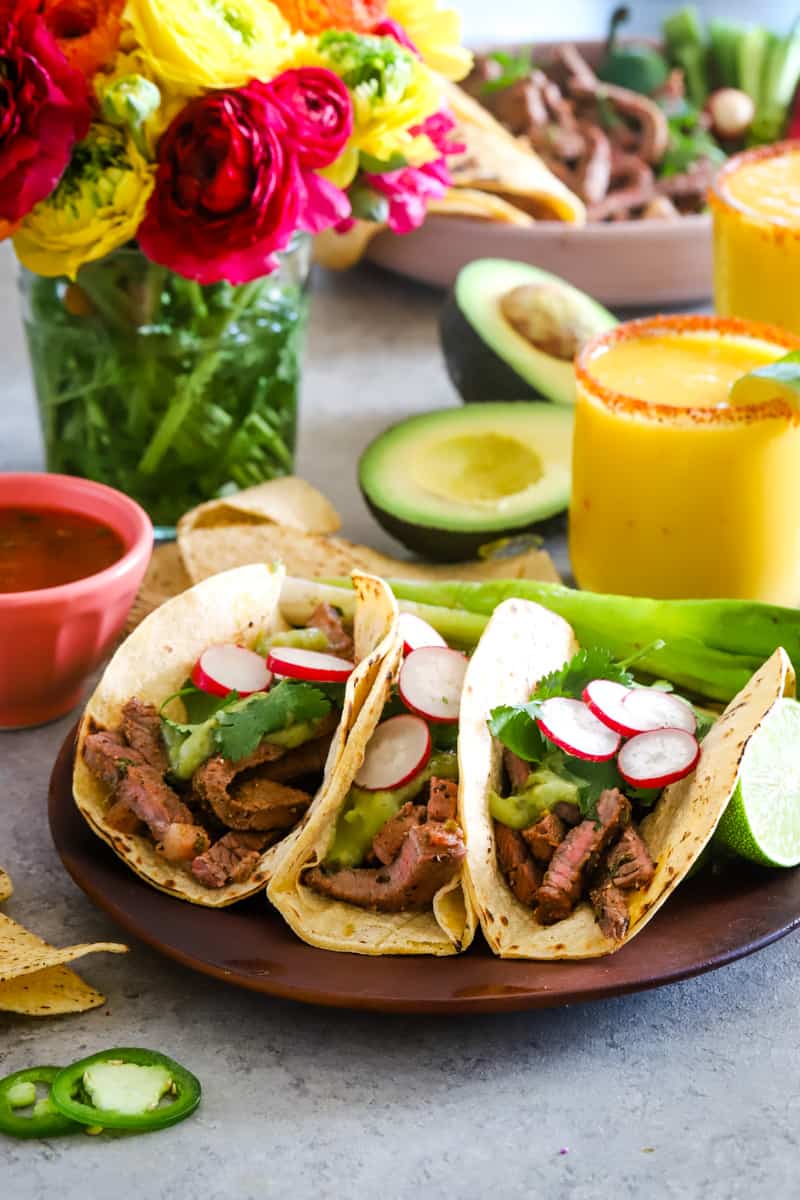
{"points": [[477, 373], [443, 545]]}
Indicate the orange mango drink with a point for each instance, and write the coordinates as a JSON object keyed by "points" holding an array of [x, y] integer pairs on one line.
{"points": [[755, 203], [676, 492]]}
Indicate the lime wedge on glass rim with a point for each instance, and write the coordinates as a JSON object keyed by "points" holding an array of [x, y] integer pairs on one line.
{"points": [[779, 380], [762, 821]]}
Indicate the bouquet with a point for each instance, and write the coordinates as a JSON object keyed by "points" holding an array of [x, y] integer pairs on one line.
{"points": [[211, 131], [199, 138]]}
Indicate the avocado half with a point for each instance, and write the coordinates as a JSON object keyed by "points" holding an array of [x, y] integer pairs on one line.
{"points": [[447, 482], [487, 358]]}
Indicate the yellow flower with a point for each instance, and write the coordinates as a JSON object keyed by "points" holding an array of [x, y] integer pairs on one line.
{"points": [[96, 208], [392, 92], [196, 44], [436, 32]]}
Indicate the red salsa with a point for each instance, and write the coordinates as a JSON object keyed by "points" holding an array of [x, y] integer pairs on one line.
{"points": [[45, 547]]}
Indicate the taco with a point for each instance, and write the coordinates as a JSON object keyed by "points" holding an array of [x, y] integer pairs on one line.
{"points": [[216, 724], [568, 856], [378, 866]]}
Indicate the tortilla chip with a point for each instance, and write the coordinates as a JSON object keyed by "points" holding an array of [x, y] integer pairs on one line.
{"points": [[157, 657], [333, 925], [48, 993], [480, 206], [341, 251], [288, 501], [496, 162], [23, 953], [6, 886], [206, 551], [522, 643]]}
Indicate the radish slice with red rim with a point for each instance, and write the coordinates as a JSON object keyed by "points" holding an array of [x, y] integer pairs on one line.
{"points": [[571, 725], [417, 633], [606, 700], [431, 681], [648, 709], [228, 668], [397, 751], [662, 756], [295, 663]]}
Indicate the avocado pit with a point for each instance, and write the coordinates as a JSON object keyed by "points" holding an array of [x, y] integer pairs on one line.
{"points": [[548, 318]]}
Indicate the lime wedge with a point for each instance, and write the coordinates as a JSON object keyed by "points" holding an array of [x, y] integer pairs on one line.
{"points": [[762, 821], [777, 381]]}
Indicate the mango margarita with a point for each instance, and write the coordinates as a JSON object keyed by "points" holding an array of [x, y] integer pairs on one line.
{"points": [[675, 492], [756, 207]]}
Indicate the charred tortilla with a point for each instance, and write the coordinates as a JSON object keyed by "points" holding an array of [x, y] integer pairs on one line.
{"points": [[522, 643]]}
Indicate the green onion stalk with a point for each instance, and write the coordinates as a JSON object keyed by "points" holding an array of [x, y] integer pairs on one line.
{"points": [[707, 647]]}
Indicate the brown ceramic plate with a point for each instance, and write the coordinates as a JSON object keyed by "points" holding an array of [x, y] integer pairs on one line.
{"points": [[709, 922], [622, 264]]}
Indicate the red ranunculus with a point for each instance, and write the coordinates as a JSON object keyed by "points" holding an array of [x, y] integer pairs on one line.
{"points": [[44, 109], [318, 112], [228, 189]]}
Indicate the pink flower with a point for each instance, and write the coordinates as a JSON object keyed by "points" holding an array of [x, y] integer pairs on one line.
{"points": [[44, 109], [229, 190], [389, 28]]}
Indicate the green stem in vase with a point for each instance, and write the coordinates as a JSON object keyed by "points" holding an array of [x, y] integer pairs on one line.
{"points": [[192, 386]]}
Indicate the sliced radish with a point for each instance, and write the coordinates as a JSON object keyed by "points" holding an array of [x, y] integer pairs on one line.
{"points": [[606, 700], [397, 751], [295, 663], [647, 709], [417, 633], [572, 725], [662, 756], [430, 683], [228, 668]]}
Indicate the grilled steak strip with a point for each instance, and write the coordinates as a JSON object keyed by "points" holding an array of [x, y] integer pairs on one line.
{"points": [[570, 814], [252, 801], [521, 872], [629, 863], [141, 728], [139, 786], [443, 800], [326, 618], [388, 842], [516, 769], [611, 909], [430, 857], [107, 756], [308, 759], [579, 851], [545, 836], [123, 819], [230, 860]]}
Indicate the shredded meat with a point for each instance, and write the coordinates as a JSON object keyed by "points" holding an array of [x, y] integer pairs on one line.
{"points": [[249, 802], [629, 863], [545, 836], [388, 842], [521, 872], [577, 854], [443, 800], [340, 643], [230, 860], [430, 857], [611, 909], [141, 728]]}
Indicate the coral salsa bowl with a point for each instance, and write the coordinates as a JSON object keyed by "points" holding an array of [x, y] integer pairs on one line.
{"points": [[52, 639]]}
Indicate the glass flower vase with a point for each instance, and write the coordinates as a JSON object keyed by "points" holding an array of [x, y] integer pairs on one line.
{"points": [[170, 391]]}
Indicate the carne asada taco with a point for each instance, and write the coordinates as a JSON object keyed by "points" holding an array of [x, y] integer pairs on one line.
{"points": [[378, 866], [558, 865], [216, 724]]}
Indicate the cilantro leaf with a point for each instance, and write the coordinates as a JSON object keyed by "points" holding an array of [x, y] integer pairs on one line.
{"points": [[704, 722], [515, 726], [570, 680], [240, 729], [513, 68]]}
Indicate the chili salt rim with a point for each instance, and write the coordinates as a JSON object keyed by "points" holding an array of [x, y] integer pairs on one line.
{"points": [[720, 198], [692, 323]]}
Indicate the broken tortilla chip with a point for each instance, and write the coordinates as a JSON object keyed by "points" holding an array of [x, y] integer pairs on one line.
{"points": [[6, 886], [48, 993], [23, 953]]}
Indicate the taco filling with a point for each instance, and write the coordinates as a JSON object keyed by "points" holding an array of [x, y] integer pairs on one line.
{"points": [[584, 760], [229, 764], [397, 841]]}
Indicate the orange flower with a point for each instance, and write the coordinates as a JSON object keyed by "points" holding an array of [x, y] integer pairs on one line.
{"points": [[87, 31], [312, 16], [6, 229]]}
